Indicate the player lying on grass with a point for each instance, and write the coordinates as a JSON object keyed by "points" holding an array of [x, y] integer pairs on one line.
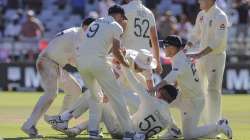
{"points": [[61, 51], [191, 99], [139, 62]]}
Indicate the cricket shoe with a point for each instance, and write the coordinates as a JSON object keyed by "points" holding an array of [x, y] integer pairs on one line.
{"points": [[70, 132], [56, 121], [139, 136], [128, 136], [225, 128], [95, 135], [173, 133], [31, 131]]}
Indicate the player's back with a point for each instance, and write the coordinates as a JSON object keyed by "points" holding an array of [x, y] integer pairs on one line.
{"points": [[98, 38], [188, 79], [63, 47], [152, 116], [140, 20]]}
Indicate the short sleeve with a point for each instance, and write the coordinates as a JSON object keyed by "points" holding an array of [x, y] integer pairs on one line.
{"points": [[117, 31]]}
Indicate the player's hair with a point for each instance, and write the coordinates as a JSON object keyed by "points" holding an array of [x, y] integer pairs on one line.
{"points": [[87, 21], [171, 91]]}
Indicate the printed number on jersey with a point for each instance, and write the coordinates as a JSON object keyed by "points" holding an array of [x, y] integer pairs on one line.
{"points": [[93, 30], [147, 125], [141, 27]]}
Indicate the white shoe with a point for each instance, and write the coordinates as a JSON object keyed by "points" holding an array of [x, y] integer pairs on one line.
{"points": [[32, 131], [73, 132], [225, 128], [56, 121], [128, 136], [173, 133], [139, 136], [95, 135]]}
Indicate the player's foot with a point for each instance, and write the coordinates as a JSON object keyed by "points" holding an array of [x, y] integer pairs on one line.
{"points": [[225, 128], [95, 135], [31, 131], [128, 136], [73, 132], [139, 136], [56, 121], [173, 133]]}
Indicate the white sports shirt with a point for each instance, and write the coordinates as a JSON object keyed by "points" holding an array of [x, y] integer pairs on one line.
{"points": [[153, 114], [211, 29], [98, 39], [184, 73], [62, 49], [140, 20]]}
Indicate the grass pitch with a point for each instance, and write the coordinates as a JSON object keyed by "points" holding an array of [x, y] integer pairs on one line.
{"points": [[16, 107]]}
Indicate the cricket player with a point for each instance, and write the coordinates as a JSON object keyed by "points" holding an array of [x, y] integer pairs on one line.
{"points": [[191, 99], [210, 30], [102, 37], [149, 121], [141, 32], [61, 51]]}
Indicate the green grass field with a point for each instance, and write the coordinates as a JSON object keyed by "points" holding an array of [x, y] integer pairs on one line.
{"points": [[16, 107]]}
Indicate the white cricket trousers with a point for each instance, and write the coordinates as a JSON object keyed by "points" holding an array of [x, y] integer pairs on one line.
{"points": [[191, 110], [96, 70], [52, 77], [211, 70]]}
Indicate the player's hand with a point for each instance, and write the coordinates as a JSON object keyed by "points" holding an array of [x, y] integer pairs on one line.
{"points": [[159, 68]]}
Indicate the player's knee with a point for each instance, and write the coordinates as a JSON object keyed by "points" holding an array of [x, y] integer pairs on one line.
{"points": [[50, 97]]}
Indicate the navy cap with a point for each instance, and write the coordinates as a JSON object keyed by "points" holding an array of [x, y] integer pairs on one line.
{"points": [[116, 9], [171, 91], [173, 40]]}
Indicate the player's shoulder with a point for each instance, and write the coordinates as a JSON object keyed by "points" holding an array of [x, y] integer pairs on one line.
{"points": [[72, 30], [116, 26], [220, 15], [201, 14]]}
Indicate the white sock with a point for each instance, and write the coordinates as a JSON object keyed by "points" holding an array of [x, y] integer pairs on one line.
{"points": [[65, 116]]}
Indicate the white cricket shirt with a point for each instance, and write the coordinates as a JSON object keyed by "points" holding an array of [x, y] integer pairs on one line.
{"points": [[140, 20], [185, 74], [62, 49], [211, 29]]}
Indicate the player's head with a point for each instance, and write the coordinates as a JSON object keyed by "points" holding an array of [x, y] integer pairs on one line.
{"points": [[206, 4], [141, 60], [86, 22], [172, 45], [167, 93], [117, 12]]}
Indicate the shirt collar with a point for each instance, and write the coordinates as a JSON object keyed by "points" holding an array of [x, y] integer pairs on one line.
{"points": [[211, 10], [110, 18]]}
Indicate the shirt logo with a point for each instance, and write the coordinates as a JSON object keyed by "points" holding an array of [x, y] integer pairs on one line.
{"points": [[222, 27]]}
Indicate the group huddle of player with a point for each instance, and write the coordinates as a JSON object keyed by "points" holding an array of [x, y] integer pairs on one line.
{"points": [[115, 56]]}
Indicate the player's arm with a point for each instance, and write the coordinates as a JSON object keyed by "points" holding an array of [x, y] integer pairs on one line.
{"points": [[171, 78], [215, 39], [155, 47], [195, 34], [116, 49], [118, 54], [149, 80]]}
